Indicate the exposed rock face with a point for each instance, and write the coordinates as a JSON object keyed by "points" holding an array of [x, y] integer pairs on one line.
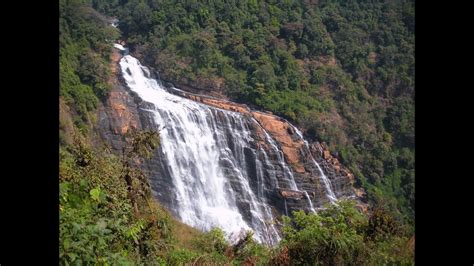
{"points": [[124, 110], [296, 155], [121, 110], [283, 133], [215, 102]]}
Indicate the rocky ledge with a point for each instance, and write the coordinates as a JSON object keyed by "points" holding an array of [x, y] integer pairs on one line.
{"points": [[123, 111], [294, 151]]}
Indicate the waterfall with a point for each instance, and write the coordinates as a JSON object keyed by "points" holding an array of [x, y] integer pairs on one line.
{"points": [[327, 183], [288, 172], [219, 175], [206, 154], [311, 207]]}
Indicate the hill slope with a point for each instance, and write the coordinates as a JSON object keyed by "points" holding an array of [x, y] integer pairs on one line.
{"points": [[98, 220], [342, 70]]}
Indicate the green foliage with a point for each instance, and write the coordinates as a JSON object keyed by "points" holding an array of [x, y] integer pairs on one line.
{"points": [[344, 71], [329, 238], [211, 241], [341, 235], [247, 250], [85, 47], [97, 224], [95, 194], [181, 257], [142, 143], [84, 235], [134, 231]]}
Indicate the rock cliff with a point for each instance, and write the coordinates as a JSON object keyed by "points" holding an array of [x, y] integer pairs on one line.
{"points": [[124, 110]]}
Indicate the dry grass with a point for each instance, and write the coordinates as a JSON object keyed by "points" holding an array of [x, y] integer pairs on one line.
{"points": [[184, 234]]}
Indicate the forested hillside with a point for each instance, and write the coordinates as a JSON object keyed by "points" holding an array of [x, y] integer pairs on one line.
{"points": [[342, 70]]}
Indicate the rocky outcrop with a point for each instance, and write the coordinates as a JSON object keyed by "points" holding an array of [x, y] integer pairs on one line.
{"points": [[211, 101], [203, 85], [277, 127], [120, 111], [284, 134], [124, 110], [296, 155]]}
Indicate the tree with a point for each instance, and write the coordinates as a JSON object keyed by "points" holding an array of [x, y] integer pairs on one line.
{"points": [[140, 144]]}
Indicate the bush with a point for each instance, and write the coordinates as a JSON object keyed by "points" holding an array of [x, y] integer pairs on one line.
{"points": [[342, 235], [248, 251], [181, 256], [97, 219], [212, 241], [330, 237]]}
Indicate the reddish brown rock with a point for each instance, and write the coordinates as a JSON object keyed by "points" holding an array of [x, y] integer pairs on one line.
{"points": [[326, 155], [114, 64], [282, 131], [291, 154], [299, 168], [274, 126], [124, 119], [117, 101], [291, 194], [226, 105]]}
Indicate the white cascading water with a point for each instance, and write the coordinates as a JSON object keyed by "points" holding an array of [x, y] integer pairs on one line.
{"points": [[327, 183], [205, 146], [196, 148], [287, 171]]}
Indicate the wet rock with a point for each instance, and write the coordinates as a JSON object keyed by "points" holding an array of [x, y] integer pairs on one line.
{"points": [[290, 130], [125, 109], [291, 194]]}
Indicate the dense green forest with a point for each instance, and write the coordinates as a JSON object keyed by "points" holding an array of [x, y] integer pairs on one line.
{"points": [[84, 56], [341, 70]]}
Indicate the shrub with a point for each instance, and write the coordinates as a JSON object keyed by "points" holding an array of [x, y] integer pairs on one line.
{"points": [[329, 237], [212, 241], [181, 256], [342, 235]]}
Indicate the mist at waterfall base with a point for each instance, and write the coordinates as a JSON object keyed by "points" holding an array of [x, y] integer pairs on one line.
{"points": [[202, 147]]}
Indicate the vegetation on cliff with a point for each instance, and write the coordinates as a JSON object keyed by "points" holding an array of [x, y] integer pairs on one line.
{"points": [[106, 219], [84, 52], [342, 70], [107, 216]]}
